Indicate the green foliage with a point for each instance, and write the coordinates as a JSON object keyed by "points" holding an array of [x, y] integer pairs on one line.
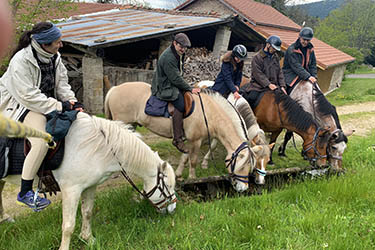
{"points": [[350, 28]]}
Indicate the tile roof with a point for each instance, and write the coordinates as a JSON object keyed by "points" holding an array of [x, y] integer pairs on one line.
{"points": [[326, 55], [266, 20]]}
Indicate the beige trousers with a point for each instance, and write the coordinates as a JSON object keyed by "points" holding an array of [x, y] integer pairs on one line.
{"points": [[39, 146]]}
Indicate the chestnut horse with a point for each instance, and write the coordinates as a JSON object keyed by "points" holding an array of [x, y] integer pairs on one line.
{"points": [[126, 102], [276, 111], [313, 101]]}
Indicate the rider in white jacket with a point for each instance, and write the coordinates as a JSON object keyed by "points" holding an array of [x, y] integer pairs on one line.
{"points": [[36, 83]]}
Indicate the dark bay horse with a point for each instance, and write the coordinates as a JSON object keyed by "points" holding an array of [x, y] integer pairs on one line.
{"points": [[313, 101], [276, 111]]}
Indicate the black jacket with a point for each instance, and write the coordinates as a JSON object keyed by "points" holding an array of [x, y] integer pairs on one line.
{"points": [[295, 67]]}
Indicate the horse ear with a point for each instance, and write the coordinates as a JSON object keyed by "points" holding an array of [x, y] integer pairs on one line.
{"points": [[164, 166], [349, 133], [271, 145]]}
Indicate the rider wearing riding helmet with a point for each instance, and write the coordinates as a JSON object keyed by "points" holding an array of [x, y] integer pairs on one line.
{"points": [[300, 61], [35, 84], [230, 76], [266, 73]]}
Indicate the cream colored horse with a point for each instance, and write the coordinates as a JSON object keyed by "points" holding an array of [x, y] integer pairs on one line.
{"points": [[94, 149], [255, 134], [127, 101]]}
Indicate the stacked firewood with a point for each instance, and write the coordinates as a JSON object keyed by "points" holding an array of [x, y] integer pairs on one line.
{"points": [[201, 64]]}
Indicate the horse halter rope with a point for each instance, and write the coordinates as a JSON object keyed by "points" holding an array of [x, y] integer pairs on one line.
{"points": [[312, 145], [168, 198]]}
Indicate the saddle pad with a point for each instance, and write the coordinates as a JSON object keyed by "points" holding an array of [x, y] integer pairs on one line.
{"points": [[12, 162]]}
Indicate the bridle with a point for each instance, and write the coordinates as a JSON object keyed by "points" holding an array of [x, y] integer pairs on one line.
{"points": [[167, 197], [312, 145], [232, 164]]}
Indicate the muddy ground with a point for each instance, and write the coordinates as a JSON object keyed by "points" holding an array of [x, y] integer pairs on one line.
{"points": [[362, 127]]}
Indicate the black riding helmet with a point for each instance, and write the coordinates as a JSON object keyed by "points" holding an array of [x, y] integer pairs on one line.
{"points": [[240, 51], [275, 42], [306, 33]]}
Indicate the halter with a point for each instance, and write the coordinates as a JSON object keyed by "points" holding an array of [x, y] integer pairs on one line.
{"points": [[168, 198], [232, 163], [312, 145]]}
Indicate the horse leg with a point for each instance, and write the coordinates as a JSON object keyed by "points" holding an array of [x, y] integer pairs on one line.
{"points": [[70, 199], [274, 136], [193, 156], [3, 217], [181, 165], [287, 137], [88, 197], [206, 158]]}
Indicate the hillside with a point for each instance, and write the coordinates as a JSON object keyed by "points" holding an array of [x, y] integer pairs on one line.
{"points": [[321, 9]]}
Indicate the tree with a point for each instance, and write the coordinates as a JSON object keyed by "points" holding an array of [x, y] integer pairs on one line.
{"points": [[350, 26]]}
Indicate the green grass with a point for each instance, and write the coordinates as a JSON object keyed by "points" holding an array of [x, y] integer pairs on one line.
{"points": [[364, 70], [333, 213], [353, 91]]}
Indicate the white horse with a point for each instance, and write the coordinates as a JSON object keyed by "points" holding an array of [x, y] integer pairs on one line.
{"points": [[94, 149]]}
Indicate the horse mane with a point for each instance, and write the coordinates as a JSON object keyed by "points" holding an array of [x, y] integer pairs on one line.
{"points": [[229, 110], [118, 141], [294, 111]]}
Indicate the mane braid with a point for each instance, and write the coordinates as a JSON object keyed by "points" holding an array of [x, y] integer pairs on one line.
{"points": [[294, 112], [123, 144], [229, 110]]}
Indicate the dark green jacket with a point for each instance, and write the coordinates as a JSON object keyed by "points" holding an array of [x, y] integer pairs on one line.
{"points": [[167, 80], [296, 66]]}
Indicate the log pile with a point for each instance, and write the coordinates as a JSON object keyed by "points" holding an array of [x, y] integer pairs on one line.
{"points": [[201, 64]]}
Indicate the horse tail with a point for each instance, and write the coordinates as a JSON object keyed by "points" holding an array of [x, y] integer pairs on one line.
{"points": [[107, 110]]}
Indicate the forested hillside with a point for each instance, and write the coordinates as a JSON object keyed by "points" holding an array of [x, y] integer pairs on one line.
{"points": [[321, 9]]}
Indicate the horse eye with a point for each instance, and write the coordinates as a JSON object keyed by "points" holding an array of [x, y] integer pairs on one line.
{"points": [[334, 147]]}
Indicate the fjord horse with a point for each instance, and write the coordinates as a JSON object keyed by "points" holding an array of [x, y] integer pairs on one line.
{"points": [[94, 149], [313, 101], [126, 102], [276, 111]]}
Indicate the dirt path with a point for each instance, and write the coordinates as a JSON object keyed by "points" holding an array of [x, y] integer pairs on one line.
{"points": [[362, 127]]}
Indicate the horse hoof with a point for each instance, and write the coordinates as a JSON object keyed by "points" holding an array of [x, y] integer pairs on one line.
{"points": [[204, 166], [270, 163], [282, 154], [7, 218]]}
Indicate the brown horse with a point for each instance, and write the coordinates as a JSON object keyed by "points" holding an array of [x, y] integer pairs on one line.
{"points": [[313, 101], [127, 102], [276, 111]]}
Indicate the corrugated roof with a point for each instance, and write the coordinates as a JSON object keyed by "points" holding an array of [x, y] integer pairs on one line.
{"points": [[266, 20], [128, 24]]}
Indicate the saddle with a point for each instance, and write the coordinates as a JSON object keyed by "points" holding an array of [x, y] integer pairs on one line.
{"points": [[13, 152], [189, 105], [157, 107]]}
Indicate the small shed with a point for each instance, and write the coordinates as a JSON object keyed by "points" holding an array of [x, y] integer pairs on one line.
{"points": [[264, 20], [122, 44]]}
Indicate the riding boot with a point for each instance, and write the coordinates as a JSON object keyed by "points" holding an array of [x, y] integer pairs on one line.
{"points": [[178, 131]]}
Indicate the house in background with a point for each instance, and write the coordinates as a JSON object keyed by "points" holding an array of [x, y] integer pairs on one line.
{"points": [[266, 21]]}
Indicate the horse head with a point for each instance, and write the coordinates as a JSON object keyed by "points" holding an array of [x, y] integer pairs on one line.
{"points": [[336, 147], [162, 195], [316, 150], [262, 155]]}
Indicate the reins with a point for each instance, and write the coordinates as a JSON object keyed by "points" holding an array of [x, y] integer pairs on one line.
{"points": [[160, 184]]}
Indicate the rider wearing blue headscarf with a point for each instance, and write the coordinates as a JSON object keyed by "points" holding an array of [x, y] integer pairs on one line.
{"points": [[35, 84]]}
